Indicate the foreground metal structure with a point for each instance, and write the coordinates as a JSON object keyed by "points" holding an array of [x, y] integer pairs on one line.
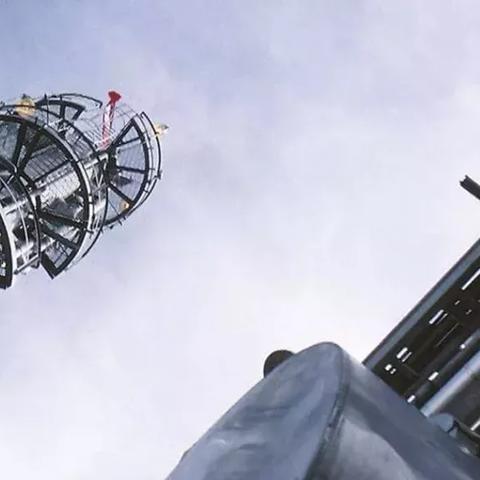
{"points": [[411, 411], [323, 416], [70, 166]]}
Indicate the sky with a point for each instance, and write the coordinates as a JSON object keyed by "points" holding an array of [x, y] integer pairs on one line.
{"points": [[310, 193]]}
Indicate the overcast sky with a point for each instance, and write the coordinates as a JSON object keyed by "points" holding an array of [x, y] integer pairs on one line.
{"points": [[310, 193]]}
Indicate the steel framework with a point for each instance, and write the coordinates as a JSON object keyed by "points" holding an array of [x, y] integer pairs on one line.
{"points": [[431, 357], [70, 166]]}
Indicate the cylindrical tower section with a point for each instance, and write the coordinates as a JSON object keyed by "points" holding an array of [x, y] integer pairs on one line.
{"points": [[322, 415], [69, 167]]}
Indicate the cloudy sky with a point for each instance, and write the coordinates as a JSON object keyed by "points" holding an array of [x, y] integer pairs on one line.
{"points": [[310, 193]]}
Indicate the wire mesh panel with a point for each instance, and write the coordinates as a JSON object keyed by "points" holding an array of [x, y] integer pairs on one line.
{"points": [[79, 165]]}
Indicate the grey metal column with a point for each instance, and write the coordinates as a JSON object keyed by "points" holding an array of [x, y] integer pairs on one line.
{"points": [[322, 415]]}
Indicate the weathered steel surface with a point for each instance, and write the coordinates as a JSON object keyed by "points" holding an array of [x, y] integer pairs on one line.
{"points": [[322, 415]]}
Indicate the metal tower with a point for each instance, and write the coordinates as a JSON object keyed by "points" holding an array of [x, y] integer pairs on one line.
{"points": [[69, 167], [411, 411]]}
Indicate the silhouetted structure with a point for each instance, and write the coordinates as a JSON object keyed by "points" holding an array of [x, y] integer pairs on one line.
{"points": [[411, 411]]}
